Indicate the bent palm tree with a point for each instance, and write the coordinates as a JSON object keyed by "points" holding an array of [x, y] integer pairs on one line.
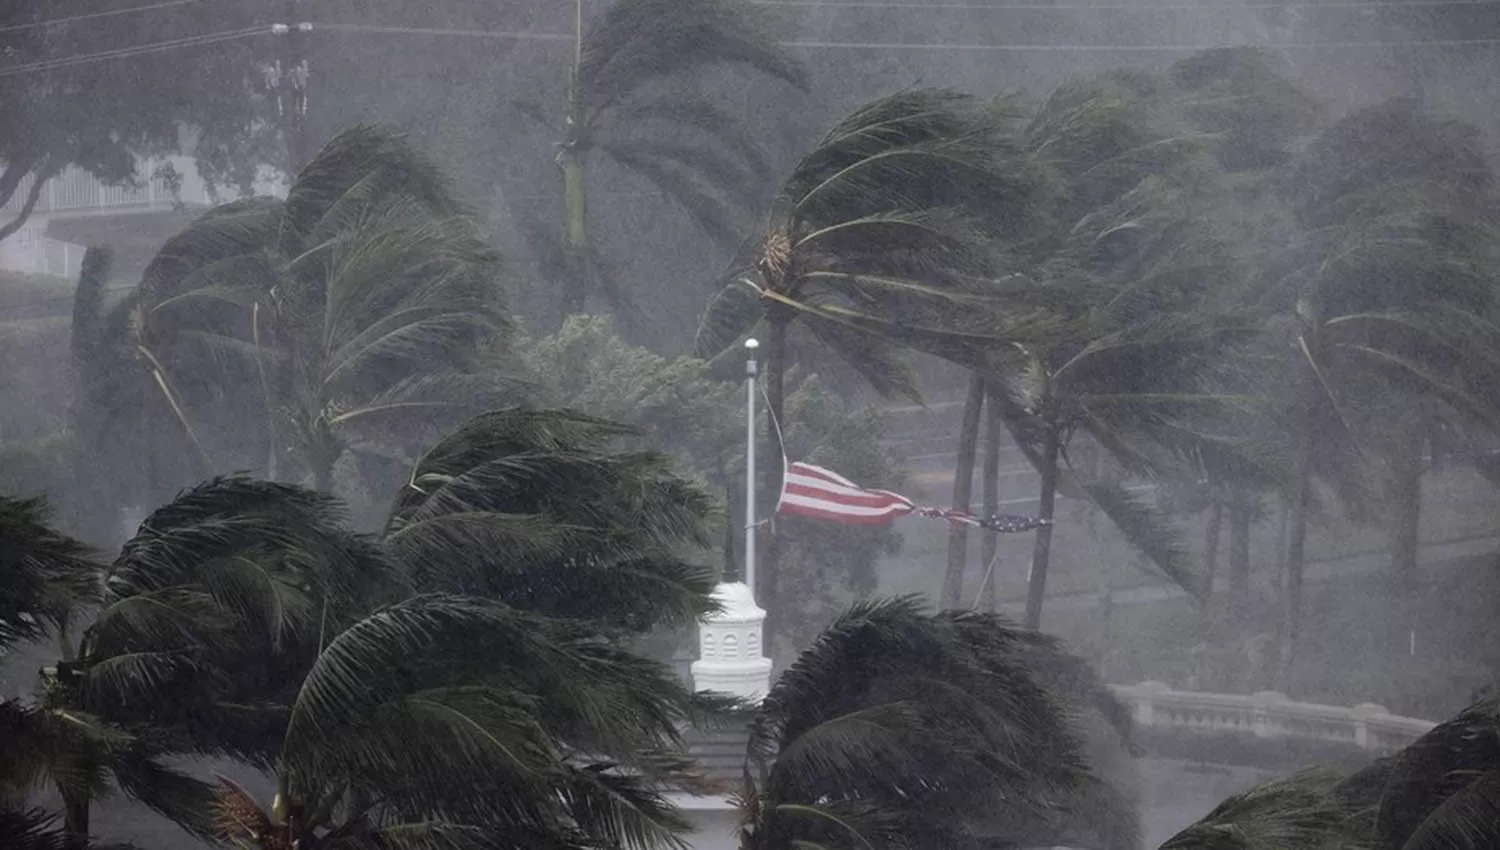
{"points": [[890, 220], [562, 737], [901, 728], [537, 509], [361, 303], [1388, 287], [44, 578], [231, 620], [689, 148]]}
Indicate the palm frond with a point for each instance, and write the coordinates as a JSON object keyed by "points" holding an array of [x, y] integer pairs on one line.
{"points": [[1149, 531], [638, 41], [676, 114], [1439, 765], [1469, 819], [43, 573], [623, 810], [367, 162], [234, 515], [183, 799], [384, 704], [32, 829], [679, 175], [1297, 811], [923, 716], [237, 229], [484, 514], [728, 319]]}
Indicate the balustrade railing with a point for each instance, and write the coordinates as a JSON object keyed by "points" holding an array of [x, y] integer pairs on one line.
{"points": [[1268, 714]]}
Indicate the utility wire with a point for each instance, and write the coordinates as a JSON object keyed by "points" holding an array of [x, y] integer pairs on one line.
{"points": [[135, 50], [1113, 7], [518, 35], [1039, 48], [94, 15]]}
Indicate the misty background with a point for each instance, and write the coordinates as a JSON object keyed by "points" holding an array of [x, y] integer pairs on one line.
{"points": [[480, 87]]}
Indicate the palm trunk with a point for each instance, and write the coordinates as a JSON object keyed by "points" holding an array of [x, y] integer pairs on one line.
{"points": [[768, 564], [1239, 555], [75, 818], [990, 476], [1211, 535], [1406, 526], [575, 235], [731, 569], [1036, 589], [963, 494], [1296, 557]]}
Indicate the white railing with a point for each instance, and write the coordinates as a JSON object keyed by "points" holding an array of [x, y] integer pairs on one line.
{"points": [[1268, 714], [77, 191]]}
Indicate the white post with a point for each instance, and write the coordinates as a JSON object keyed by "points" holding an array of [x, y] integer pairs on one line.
{"points": [[731, 653], [750, 373]]}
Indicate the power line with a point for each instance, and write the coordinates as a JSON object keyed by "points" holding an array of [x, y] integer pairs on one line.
{"points": [[519, 35], [135, 50], [1112, 7], [1142, 48], [1038, 48], [93, 15]]}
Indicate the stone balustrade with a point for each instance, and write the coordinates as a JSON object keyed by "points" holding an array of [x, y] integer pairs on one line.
{"points": [[1270, 715]]}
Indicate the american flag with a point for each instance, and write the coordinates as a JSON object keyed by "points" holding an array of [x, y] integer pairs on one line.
{"points": [[813, 491], [819, 493]]}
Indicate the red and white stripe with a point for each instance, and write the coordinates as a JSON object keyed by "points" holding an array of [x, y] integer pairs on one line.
{"points": [[813, 491]]}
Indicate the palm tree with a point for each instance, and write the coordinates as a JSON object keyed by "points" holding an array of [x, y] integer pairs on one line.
{"points": [[361, 307], [688, 147], [894, 213], [898, 727], [191, 656], [44, 577], [1442, 791], [535, 551], [537, 509], [220, 608], [1139, 337], [1389, 294], [561, 735]]}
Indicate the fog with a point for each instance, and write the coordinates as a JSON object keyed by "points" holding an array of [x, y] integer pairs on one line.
{"points": [[1296, 495]]}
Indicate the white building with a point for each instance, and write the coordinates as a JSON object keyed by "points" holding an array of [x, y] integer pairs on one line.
{"points": [[76, 210], [731, 660]]}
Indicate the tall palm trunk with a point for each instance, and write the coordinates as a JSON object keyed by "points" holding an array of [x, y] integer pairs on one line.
{"points": [[1296, 552], [768, 573], [963, 493], [990, 476], [731, 566], [1239, 555], [1211, 536], [575, 233], [1406, 526], [571, 159], [75, 818], [1041, 555]]}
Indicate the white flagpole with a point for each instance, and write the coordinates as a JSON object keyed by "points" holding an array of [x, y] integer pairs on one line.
{"points": [[750, 372]]}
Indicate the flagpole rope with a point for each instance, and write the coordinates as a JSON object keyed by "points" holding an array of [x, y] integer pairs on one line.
{"points": [[780, 446], [989, 571]]}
